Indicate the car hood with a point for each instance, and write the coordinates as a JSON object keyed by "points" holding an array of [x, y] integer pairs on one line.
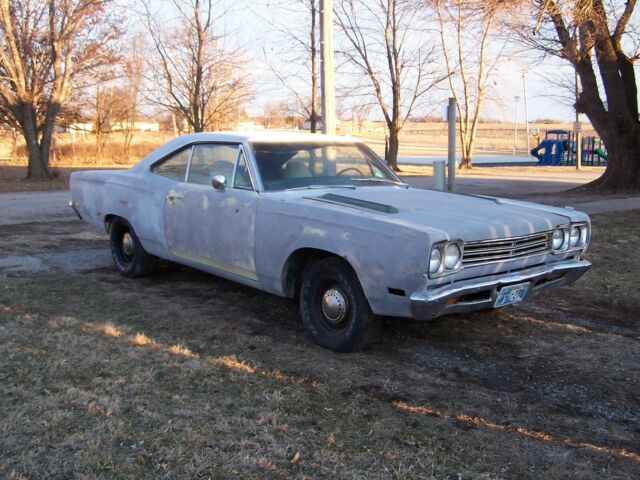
{"points": [[468, 217]]}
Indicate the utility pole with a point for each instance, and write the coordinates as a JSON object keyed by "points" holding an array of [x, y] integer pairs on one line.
{"points": [[515, 128], [526, 109], [451, 119], [576, 127], [328, 79]]}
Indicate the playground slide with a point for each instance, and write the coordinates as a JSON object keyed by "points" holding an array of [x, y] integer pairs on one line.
{"points": [[601, 153], [545, 152]]}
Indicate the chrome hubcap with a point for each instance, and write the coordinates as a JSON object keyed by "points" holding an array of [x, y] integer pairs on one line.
{"points": [[127, 244], [334, 305]]}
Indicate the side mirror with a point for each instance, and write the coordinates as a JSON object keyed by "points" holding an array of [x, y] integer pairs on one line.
{"points": [[218, 182]]}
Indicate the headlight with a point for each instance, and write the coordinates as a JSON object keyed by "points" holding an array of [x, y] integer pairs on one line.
{"points": [[435, 261], [584, 235], [558, 239], [452, 256], [446, 258], [570, 237], [576, 235]]}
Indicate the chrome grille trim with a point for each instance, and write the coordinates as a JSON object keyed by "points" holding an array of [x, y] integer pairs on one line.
{"points": [[501, 249]]}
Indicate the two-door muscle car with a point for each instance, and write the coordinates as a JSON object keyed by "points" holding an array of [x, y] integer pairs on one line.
{"points": [[322, 219]]}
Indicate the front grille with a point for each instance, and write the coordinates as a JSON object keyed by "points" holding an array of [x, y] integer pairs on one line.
{"points": [[501, 249]]}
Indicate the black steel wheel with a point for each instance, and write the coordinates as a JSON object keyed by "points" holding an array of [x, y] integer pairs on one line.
{"points": [[129, 256], [334, 308]]}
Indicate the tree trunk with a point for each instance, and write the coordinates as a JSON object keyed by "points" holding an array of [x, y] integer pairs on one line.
{"points": [[37, 168], [466, 161], [392, 151], [623, 162], [38, 159]]}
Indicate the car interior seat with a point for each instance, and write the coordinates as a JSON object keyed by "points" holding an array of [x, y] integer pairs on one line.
{"points": [[297, 169]]}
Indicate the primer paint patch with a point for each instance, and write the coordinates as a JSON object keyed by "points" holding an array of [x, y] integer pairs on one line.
{"points": [[318, 232]]}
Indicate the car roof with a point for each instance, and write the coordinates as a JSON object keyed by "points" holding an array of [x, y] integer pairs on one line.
{"points": [[181, 141], [267, 136]]}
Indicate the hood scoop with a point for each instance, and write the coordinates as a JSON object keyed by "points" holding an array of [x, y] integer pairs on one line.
{"points": [[355, 203]]}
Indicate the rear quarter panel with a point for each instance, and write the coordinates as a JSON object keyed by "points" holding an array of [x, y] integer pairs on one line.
{"points": [[136, 197]]}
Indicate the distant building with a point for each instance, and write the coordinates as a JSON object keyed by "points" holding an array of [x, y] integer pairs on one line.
{"points": [[79, 127], [141, 126], [248, 126]]}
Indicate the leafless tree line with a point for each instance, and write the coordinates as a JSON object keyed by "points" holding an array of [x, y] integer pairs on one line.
{"points": [[68, 57]]}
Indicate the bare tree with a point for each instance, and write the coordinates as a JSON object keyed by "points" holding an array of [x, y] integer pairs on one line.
{"points": [[277, 115], [601, 41], [45, 47], [201, 79], [298, 62], [465, 30], [386, 29], [133, 71]]}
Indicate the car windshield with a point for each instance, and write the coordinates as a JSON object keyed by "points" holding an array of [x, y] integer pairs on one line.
{"points": [[285, 166]]}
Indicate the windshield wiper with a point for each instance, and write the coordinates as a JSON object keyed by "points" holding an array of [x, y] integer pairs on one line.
{"points": [[315, 187], [380, 180]]}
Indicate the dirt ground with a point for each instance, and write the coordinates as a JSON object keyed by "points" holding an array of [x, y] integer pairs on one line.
{"points": [[185, 375]]}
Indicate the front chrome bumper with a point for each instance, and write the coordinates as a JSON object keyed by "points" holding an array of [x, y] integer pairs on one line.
{"points": [[481, 293]]}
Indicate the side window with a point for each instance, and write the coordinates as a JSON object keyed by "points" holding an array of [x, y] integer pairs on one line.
{"points": [[212, 159], [174, 167], [242, 179]]}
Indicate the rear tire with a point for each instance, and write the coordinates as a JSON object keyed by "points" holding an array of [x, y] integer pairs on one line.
{"points": [[129, 256], [334, 308]]}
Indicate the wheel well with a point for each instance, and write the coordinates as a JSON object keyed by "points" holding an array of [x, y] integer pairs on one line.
{"points": [[109, 219], [297, 264]]}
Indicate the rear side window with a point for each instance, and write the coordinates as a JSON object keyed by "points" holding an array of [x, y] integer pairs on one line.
{"points": [[210, 160], [174, 167]]}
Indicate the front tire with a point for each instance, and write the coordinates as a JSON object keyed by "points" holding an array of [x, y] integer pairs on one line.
{"points": [[129, 256], [334, 308]]}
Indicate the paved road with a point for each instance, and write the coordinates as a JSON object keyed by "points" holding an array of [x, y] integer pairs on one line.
{"points": [[511, 185], [23, 207]]}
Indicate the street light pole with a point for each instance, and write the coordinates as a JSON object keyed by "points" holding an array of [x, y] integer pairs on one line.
{"points": [[328, 80], [515, 131], [526, 109]]}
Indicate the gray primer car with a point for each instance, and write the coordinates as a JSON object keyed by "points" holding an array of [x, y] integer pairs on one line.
{"points": [[324, 220]]}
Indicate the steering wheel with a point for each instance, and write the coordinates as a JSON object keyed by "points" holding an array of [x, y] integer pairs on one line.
{"points": [[360, 174]]}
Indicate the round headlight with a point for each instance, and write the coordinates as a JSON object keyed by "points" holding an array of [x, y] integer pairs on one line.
{"points": [[574, 239], [558, 239], [435, 261], [452, 256]]}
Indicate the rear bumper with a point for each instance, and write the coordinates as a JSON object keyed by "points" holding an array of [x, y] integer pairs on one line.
{"points": [[481, 293], [74, 206]]}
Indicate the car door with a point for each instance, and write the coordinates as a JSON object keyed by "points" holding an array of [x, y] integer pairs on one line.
{"points": [[215, 227]]}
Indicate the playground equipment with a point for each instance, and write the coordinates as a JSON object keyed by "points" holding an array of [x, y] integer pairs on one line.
{"points": [[559, 148]]}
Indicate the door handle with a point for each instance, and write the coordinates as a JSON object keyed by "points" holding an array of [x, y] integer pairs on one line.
{"points": [[173, 197]]}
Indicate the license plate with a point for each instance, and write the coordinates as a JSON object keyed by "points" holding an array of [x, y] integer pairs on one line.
{"points": [[511, 295]]}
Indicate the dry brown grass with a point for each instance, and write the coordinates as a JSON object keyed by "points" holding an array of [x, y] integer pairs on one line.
{"points": [[184, 375], [81, 150]]}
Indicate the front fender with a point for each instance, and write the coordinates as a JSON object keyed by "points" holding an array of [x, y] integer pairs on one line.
{"points": [[383, 256]]}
